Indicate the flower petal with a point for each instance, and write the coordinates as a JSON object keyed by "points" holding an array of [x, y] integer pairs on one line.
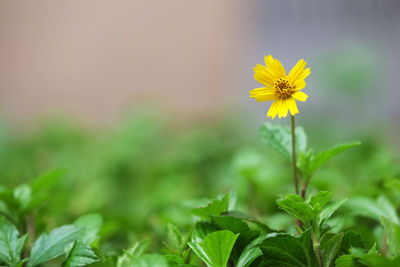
{"points": [[263, 75], [265, 97], [299, 84], [304, 74], [297, 70], [279, 68], [283, 109], [291, 103], [273, 110], [261, 91], [275, 66], [299, 95]]}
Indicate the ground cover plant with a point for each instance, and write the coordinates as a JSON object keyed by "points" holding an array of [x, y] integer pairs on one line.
{"points": [[71, 197]]}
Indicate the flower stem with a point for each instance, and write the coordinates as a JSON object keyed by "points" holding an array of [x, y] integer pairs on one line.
{"points": [[296, 182]]}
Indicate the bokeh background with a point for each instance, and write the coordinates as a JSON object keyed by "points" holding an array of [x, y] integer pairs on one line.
{"points": [[144, 104]]}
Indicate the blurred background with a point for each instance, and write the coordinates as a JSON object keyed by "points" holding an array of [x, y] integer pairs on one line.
{"points": [[145, 104]]}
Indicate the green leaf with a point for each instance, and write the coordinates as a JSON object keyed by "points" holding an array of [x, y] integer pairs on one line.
{"points": [[248, 218], [380, 260], [90, 224], [321, 197], [392, 232], [279, 138], [10, 245], [148, 260], [307, 243], [285, 250], [47, 180], [330, 246], [351, 239], [230, 223], [324, 156], [328, 211], [52, 245], [201, 230], [295, 205], [216, 207], [175, 259], [23, 194], [138, 249], [175, 238], [251, 252], [7, 196], [388, 210], [373, 250], [346, 261], [80, 255], [304, 162], [215, 248], [367, 207]]}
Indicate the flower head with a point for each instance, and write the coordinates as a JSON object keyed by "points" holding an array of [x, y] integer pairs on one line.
{"points": [[283, 89]]}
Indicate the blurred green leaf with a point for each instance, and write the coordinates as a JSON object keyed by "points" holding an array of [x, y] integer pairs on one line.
{"points": [[176, 240], [230, 223], [324, 156], [351, 239], [80, 255], [10, 244], [285, 250], [137, 250], [307, 243], [279, 138], [148, 260], [251, 252], [90, 224], [23, 194], [47, 180], [327, 211], [216, 248], [347, 261], [392, 232], [201, 230], [367, 207], [248, 218], [216, 207], [295, 205], [380, 260], [330, 246], [52, 245], [322, 197]]}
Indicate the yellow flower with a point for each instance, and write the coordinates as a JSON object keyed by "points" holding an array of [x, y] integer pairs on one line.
{"points": [[283, 89]]}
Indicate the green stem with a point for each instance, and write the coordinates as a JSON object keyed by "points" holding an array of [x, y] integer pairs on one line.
{"points": [[317, 248], [296, 182], [304, 187]]}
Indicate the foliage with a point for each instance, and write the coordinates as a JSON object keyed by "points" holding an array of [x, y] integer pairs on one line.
{"points": [[143, 195]]}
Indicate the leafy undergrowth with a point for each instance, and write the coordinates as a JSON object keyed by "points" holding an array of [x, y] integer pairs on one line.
{"points": [[127, 201]]}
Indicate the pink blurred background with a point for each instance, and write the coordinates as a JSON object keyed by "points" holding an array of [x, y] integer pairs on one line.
{"points": [[93, 60]]}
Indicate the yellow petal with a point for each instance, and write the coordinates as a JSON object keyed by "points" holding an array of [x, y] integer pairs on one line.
{"points": [[299, 95], [266, 97], [291, 103], [276, 67], [273, 110], [299, 84], [263, 75], [261, 91], [283, 109], [304, 74], [297, 70], [279, 68]]}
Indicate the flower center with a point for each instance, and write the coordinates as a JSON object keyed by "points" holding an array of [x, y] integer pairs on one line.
{"points": [[282, 88]]}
